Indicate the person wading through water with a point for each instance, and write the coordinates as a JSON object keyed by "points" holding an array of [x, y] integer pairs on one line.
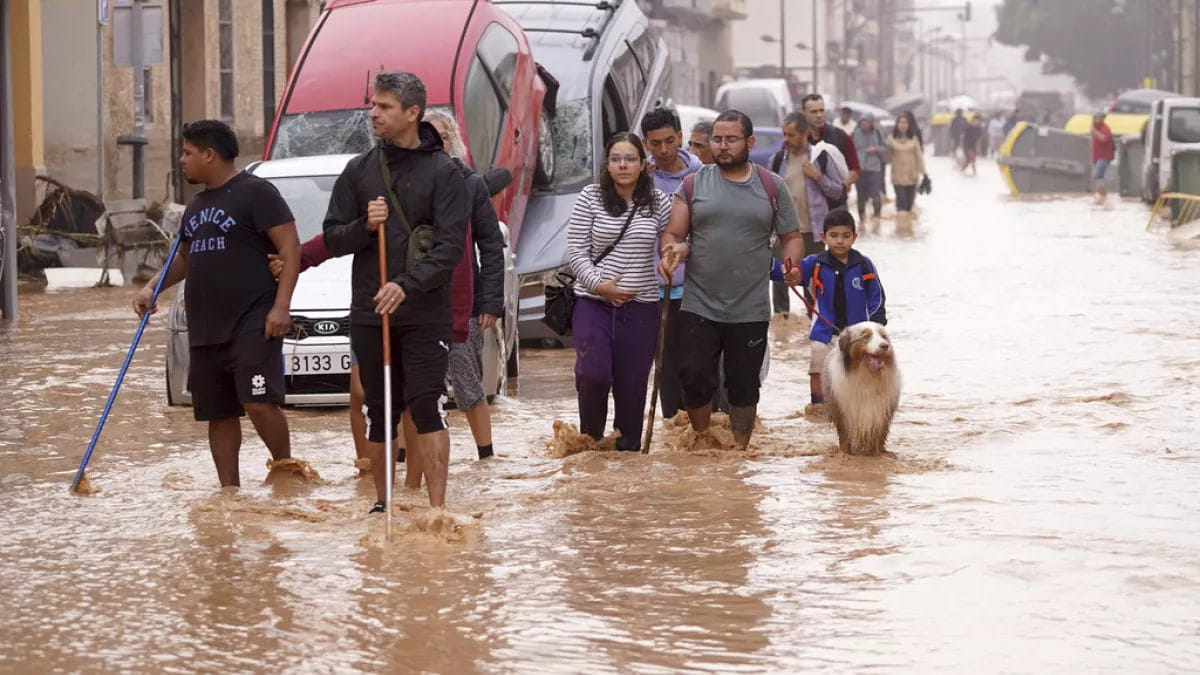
{"points": [[611, 238], [426, 208], [476, 289], [813, 178], [237, 314], [731, 214], [669, 164]]}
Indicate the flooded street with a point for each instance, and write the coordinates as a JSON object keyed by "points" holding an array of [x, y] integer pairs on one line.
{"points": [[1041, 515]]}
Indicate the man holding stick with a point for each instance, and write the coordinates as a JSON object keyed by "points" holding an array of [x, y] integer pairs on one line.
{"points": [[730, 213], [409, 183]]}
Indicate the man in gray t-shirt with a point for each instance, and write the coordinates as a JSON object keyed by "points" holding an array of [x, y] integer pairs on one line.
{"points": [[726, 309]]}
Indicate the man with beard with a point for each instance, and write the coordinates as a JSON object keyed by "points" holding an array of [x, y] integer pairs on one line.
{"points": [[409, 183], [237, 314], [731, 214]]}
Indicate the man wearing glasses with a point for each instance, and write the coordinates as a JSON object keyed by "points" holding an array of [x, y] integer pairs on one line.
{"points": [[730, 214]]}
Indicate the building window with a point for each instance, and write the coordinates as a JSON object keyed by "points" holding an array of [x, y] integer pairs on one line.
{"points": [[268, 59], [225, 42], [147, 94]]}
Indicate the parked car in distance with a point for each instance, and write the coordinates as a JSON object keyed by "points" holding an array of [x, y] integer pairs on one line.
{"points": [[1138, 101], [474, 60], [767, 101], [1171, 162], [767, 141], [316, 350], [612, 68], [689, 115]]}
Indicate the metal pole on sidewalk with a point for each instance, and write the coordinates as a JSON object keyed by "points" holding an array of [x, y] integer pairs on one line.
{"points": [[8, 192], [101, 22], [783, 45], [816, 87]]}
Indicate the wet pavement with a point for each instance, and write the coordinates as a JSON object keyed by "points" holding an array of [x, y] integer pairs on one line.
{"points": [[1041, 514]]}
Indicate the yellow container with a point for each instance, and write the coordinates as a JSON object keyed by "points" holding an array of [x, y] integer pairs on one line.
{"points": [[1122, 124]]}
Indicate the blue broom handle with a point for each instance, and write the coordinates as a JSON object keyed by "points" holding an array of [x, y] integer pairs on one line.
{"points": [[112, 396]]}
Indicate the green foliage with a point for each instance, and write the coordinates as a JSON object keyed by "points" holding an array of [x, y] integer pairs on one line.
{"points": [[1103, 44]]}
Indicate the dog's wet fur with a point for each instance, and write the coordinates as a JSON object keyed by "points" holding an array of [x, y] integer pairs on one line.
{"points": [[861, 384]]}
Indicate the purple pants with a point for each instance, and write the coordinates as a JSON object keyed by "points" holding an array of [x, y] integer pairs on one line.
{"points": [[614, 349]]}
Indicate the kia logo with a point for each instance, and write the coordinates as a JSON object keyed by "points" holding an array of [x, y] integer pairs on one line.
{"points": [[325, 327]]}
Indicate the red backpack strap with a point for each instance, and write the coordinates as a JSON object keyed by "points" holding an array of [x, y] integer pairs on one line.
{"points": [[768, 181], [689, 191]]}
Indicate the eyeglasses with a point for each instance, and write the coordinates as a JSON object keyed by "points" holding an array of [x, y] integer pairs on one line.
{"points": [[726, 140], [697, 144], [624, 159]]}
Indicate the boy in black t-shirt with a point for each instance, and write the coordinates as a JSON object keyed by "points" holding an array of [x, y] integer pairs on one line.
{"points": [[237, 314]]}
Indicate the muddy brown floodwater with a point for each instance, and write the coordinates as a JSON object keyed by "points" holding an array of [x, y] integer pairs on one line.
{"points": [[1042, 515]]}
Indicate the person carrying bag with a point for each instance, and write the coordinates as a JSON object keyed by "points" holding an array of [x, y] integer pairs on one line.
{"points": [[615, 319]]}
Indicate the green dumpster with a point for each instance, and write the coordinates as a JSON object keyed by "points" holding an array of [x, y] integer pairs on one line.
{"points": [[1185, 179], [1131, 150]]}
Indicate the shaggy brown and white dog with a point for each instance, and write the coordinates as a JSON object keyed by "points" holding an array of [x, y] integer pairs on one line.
{"points": [[862, 387]]}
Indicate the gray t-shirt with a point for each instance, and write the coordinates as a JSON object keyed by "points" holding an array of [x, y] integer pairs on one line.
{"points": [[730, 261]]}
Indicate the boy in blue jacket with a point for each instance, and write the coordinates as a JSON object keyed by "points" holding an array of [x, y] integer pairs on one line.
{"points": [[846, 287]]}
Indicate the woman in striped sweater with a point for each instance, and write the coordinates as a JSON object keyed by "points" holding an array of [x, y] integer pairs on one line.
{"points": [[615, 324]]}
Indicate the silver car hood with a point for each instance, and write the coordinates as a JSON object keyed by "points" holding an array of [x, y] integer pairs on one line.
{"points": [[325, 287], [542, 243]]}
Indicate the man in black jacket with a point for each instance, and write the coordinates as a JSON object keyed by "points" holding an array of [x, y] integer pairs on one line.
{"points": [[430, 192]]}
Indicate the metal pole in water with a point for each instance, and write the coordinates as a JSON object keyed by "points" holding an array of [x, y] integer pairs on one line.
{"points": [[389, 464]]}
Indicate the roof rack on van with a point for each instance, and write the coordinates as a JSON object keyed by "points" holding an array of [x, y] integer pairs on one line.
{"points": [[609, 6]]}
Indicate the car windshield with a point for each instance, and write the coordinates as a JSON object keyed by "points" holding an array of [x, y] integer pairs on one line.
{"points": [[1184, 126], [755, 102], [308, 198], [572, 144], [1132, 107], [327, 132]]}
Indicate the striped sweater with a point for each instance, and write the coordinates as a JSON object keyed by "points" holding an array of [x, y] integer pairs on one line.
{"points": [[592, 229]]}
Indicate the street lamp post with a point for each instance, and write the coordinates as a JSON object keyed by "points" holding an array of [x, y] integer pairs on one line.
{"points": [[783, 46]]}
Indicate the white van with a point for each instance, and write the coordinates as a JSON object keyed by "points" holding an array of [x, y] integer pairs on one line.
{"points": [[766, 101], [1174, 127]]}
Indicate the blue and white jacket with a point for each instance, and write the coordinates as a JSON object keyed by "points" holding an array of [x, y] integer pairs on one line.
{"points": [[863, 292]]}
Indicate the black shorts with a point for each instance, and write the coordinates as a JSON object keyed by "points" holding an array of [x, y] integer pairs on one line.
{"points": [[420, 357], [224, 377], [702, 342]]}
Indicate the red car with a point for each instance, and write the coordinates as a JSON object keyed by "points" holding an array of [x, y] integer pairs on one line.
{"points": [[472, 56]]}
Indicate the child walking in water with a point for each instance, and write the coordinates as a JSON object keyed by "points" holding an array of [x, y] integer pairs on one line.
{"points": [[847, 290]]}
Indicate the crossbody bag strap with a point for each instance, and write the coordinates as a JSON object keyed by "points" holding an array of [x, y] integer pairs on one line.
{"points": [[391, 192], [624, 229]]}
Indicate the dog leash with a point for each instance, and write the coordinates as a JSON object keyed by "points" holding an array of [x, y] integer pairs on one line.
{"points": [[811, 307]]}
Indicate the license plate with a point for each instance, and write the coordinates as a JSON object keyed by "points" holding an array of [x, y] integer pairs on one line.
{"points": [[312, 363]]}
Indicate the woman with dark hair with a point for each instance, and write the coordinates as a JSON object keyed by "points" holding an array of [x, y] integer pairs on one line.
{"points": [[611, 239], [913, 127], [908, 163]]}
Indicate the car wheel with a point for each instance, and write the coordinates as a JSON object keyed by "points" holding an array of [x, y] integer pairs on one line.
{"points": [[543, 174], [170, 398], [514, 361]]}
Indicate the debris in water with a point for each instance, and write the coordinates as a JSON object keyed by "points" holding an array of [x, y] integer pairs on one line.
{"points": [[568, 441], [85, 487], [291, 466]]}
